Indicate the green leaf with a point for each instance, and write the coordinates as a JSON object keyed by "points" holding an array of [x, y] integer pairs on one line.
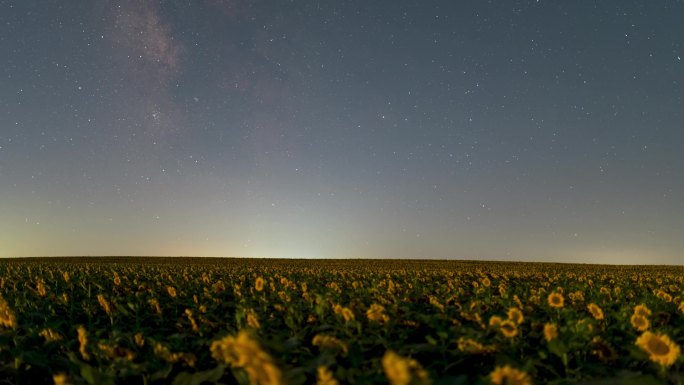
{"points": [[460, 380], [197, 378], [296, 376], [94, 376], [431, 340], [627, 380], [557, 347], [162, 373], [123, 310], [36, 359]]}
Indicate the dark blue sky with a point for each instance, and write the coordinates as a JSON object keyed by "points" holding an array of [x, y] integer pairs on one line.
{"points": [[544, 130]]}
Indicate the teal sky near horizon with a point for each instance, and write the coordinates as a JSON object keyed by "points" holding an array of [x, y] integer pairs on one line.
{"points": [[525, 130]]}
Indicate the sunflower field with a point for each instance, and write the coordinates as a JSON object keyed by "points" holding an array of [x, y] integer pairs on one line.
{"points": [[193, 321]]}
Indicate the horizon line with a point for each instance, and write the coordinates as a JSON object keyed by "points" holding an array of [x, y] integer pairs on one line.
{"points": [[454, 259]]}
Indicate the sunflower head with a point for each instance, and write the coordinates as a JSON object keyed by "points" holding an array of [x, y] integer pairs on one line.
{"points": [[595, 311], [508, 328], [556, 300], [253, 320], [259, 284], [507, 375], [639, 322], [470, 346], [495, 320], [550, 331], [664, 296], [660, 348], [325, 377], [61, 379], [602, 350], [402, 371], [515, 315], [642, 310], [347, 314]]}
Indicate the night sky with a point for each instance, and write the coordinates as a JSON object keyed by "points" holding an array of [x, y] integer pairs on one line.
{"points": [[507, 130]]}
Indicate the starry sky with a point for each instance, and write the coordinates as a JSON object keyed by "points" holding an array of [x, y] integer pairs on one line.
{"points": [[504, 130]]}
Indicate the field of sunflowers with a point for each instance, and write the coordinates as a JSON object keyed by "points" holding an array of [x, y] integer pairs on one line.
{"points": [[194, 321]]}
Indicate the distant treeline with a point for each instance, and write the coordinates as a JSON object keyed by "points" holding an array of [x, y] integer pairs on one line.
{"points": [[370, 263]]}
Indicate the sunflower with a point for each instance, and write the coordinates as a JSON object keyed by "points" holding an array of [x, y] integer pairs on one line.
{"points": [[517, 301], [639, 322], [347, 314], [585, 324], [470, 346], [642, 310], [259, 284], [502, 290], [550, 331], [435, 302], [595, 311], [50, 335], [83, 342], [244, 352], [507, 375], [139, 339], [602, 350], [556, 300], [155, 306], [253, 320], [664, 296], [61, 379], [330, 342], [325, 377], [403, 371], [508, 328], [376, 313], [515, 315], [104, 303], [495, 320], [660, 348], [7, 317], [578, 296], [40, 287]]}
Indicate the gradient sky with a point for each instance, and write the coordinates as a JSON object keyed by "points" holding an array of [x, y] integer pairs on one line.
{"points": [[511, 130]]}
